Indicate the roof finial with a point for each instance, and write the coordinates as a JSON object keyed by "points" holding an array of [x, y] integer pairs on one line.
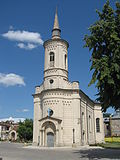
{"points": [[56, 23], [56, 30]]}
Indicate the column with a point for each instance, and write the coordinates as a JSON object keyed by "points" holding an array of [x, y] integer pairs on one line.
{"points": [[57, 137], [43, 137]]}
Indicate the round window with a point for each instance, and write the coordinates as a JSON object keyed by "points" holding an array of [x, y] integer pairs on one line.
{"points": [[51, 81]]}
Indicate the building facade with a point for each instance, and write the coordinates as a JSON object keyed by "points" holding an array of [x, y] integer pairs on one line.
{"points": [[8, 128], [8, 131], [112, 124], [63, 114]]}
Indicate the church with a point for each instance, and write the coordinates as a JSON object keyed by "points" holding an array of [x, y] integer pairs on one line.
{"points": [[63, 114]]}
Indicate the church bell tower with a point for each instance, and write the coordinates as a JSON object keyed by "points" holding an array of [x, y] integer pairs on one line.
{"points": [[56, 58]]}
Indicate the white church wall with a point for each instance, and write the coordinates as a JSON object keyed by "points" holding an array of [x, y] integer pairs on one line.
{"points": [[83, 122], [37, 116], [98, 114], [90, 124], [76, 120]]}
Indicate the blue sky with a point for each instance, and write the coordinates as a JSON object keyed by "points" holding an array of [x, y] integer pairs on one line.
{"points": [[24, 26]]}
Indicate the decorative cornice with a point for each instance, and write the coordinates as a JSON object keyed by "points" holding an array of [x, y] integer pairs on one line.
{"points": [[54, 89], [59, 40], [50, 118], [55, 68]]}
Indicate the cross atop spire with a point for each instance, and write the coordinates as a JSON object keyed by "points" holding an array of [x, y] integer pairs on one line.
{"points": [[56, 30]]}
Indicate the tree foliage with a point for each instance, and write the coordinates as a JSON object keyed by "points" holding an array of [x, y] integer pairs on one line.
{"points": [[104, 43], [25, 130]]}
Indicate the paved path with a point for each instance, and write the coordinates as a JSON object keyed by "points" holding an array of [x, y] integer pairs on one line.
{"points": [[12, 151]]}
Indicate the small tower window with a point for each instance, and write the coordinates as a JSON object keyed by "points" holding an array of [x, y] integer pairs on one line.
{"points": [[97, 124], [52, 57], [65, 60], [51, 81]]}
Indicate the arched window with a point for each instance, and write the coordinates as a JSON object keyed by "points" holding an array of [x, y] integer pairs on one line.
{"points": [[90, 129], [82, 120], [52, 57], [97, 124], [65, 60]]}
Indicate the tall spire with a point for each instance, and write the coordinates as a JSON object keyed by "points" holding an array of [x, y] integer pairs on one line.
{"points": [[56, 23], [56, 30]]}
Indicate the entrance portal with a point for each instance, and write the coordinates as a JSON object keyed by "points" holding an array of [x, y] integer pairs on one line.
{"points": [[50, 139], [13, 136]]}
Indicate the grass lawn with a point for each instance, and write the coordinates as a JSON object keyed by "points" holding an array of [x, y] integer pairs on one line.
{"points": [[113, 145], [110, 142]]}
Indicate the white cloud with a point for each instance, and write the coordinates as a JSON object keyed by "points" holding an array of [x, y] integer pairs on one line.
{"points": [[29, 46], [11, 27], [33, 39], [25, 110], [11, 79], [24, 36]]}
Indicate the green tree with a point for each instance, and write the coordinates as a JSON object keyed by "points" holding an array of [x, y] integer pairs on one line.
{"points": [[104, 43], [25, 130]]}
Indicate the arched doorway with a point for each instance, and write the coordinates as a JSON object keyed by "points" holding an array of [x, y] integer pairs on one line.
{"points": [[48, 134], [50, 139], [13, 136]]}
